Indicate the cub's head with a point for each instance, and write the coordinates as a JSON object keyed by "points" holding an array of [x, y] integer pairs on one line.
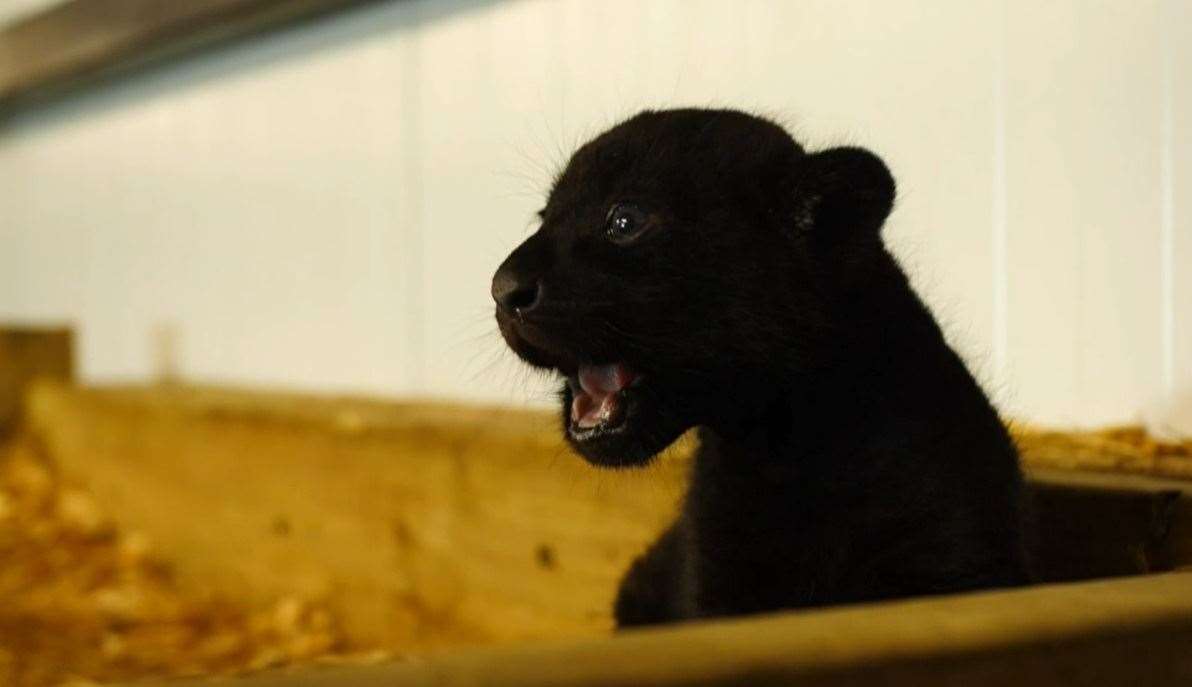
{"points": [[688, 267]]}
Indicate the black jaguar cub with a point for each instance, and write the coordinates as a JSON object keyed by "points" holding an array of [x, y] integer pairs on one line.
{"points": [[699, 269]]}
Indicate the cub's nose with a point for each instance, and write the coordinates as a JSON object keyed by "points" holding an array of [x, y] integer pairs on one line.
{"points": [[515, 295]]}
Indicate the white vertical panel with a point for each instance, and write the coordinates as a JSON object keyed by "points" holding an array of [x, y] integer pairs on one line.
{"points": [[913, 81], [714, 54], [485, 104], [605, 63], [1177, 23], [1084, 214], [40, 267], [304, 170], [248, 201], [999, 227]]}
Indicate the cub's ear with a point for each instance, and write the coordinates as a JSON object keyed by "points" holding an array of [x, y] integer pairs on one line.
{"points": [[842, 193]]}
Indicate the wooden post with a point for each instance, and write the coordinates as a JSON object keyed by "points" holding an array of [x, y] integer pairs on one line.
{"points": [[26, 354]]}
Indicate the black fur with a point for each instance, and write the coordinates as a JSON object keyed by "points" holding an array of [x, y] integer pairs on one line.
{"points": [[846, 454]]}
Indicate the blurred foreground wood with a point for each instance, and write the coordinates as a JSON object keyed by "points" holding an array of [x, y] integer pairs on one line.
{"points": [[423, 526], [82, 598], [420, 526], [1134, 631]]}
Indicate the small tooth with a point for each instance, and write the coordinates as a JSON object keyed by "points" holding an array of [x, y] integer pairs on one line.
{"points": [[580, 404], [606, 411]]}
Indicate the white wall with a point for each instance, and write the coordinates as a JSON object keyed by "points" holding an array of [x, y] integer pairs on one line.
{"points": [[323, 209]]}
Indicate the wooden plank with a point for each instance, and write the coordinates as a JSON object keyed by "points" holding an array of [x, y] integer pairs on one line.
{"points": [[25, 354], [79, 40], [423, 525], [1178, 30], [1111, 632], [1083, 214], [417, 524], [1086, 530]]}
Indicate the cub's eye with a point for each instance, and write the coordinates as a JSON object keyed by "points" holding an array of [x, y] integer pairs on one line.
{"points": [[625, 222]]}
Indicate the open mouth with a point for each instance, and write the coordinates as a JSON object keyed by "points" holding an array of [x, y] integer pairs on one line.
{"points": [[600, 399], [612, 413]]}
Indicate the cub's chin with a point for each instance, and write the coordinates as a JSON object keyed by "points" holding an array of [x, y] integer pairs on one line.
{"points": [[612, 417]]}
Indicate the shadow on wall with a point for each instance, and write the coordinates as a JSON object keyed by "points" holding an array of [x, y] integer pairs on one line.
{"points": [[245, 53]]}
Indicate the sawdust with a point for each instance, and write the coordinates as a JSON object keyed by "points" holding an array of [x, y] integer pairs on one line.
{"points": [[82, 601], [1126, 449]]}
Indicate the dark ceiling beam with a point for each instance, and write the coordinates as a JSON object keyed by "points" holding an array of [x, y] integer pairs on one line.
{"points": [[78, 42]]}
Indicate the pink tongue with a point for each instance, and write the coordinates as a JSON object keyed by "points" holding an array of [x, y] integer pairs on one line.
{"points": [[596, 399]]}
